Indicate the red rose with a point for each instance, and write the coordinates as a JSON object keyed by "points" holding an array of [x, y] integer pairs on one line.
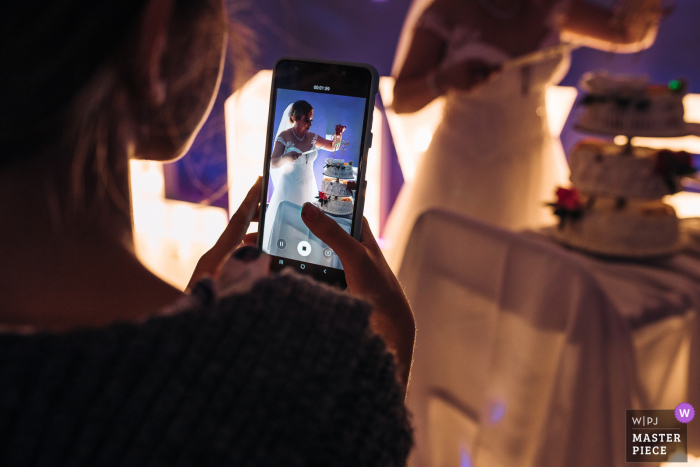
{"points": [[568, 198], [322, 196]]}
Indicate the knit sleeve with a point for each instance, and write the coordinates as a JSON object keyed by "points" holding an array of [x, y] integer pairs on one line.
{"points": [[288, 374]]}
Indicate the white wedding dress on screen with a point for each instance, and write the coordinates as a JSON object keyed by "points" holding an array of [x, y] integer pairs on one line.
{"points": [[492, 156], [294, 181]]}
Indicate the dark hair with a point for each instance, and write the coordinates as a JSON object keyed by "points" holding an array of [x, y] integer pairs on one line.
{"points": [[46, 66], [299, 109]]}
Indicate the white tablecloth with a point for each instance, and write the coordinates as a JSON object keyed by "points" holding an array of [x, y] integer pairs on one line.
{"points": [[528, 353]]}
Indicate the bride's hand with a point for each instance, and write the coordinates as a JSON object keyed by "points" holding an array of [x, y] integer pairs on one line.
{"points": [[292, 156], [338, 137], [466, 75]]}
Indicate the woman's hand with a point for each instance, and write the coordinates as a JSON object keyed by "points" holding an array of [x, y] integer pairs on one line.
{"points": [[466, 75], [211, 262], [368, 276], [291, 156]]}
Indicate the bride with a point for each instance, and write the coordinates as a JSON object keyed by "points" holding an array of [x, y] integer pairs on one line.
{"points": [[292, 162], [492, 157]]}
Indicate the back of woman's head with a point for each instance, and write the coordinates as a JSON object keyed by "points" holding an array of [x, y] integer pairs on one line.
{"points": [[73, 71]]}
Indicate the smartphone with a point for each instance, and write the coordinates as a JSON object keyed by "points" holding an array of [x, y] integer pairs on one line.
{"points": [[318, 135]]}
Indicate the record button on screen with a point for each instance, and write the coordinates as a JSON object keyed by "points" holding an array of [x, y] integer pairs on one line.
{"points": [[304, 248]]}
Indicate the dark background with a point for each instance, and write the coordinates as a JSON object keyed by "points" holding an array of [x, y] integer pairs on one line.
{"points": [[368, 31]]}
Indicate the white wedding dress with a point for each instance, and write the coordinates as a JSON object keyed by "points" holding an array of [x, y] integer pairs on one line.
{"points": [[492, 157], [294, 181]]}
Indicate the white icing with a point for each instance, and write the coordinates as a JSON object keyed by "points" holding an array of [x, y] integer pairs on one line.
{"points": [[658, 113], [637, 230], [602, 169], [335, 188], [339, 206], [603, 83], [337, 168]]}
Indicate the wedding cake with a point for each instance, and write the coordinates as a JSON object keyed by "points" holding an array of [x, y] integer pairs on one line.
{"points": [[614, 207], [336, 195], [336, 187], [338, 168], [622, 105]]}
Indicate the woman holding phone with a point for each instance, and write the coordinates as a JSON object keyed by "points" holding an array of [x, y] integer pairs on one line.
{"points": [[103, 363]]}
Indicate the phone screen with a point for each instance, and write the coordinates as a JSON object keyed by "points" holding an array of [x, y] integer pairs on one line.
{"points": [[317, 133]]}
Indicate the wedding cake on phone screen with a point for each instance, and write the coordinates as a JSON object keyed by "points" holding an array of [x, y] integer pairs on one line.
{"points": [[614, 206], [338, 188]]}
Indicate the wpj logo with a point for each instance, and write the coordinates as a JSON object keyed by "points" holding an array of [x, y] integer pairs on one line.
{"points": [[657, 435]]}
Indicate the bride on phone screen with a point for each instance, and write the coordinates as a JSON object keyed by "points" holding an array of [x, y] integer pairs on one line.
{"points": [[292, 161]]}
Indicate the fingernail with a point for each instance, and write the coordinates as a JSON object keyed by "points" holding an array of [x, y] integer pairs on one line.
{"points": [[310, 211], [247, 253]]}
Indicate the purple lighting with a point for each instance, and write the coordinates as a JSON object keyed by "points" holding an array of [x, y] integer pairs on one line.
{"points": [[464, 459], [497, 411]]}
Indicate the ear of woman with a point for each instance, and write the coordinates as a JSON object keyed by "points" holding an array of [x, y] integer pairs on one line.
{"points": [[153, 39], [175, 80]]}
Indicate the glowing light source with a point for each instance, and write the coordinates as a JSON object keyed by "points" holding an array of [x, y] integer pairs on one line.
{"points": [[422, 139], [246, 113], [373, 175], [620, 140], [559, 100], [169, 235], [691, 103], [685, 203], [692, 462], [405, 128]]}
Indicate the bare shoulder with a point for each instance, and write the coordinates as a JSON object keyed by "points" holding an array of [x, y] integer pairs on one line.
{"points": [[286, 134], [454, 12]]}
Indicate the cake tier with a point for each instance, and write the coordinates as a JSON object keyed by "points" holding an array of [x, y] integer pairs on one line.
{"points": [[337, 206], [630, 106], [335, 188], [637, 230], [605, 169], [338, 168]]}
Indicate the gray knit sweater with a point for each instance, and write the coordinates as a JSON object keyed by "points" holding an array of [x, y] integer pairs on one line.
{"points": [[286, 375]]}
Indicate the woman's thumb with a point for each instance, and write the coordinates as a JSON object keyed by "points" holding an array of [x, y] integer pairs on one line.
{"points": [[327, 230]]}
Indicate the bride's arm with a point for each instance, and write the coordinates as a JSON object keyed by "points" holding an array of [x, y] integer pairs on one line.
{"points": [[323, 143], [278, 156], [629, 28], [412, 90], [422, 79]]}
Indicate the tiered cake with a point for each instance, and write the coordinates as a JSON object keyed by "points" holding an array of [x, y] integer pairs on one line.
{"points": [[615, 207], [336, 195]]}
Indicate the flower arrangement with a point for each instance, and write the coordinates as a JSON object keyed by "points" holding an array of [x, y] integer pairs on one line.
{"points": [[568, 205], [322, 198]]}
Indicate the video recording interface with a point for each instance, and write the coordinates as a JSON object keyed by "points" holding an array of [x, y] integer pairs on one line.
{"points": [[316, 148]]}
